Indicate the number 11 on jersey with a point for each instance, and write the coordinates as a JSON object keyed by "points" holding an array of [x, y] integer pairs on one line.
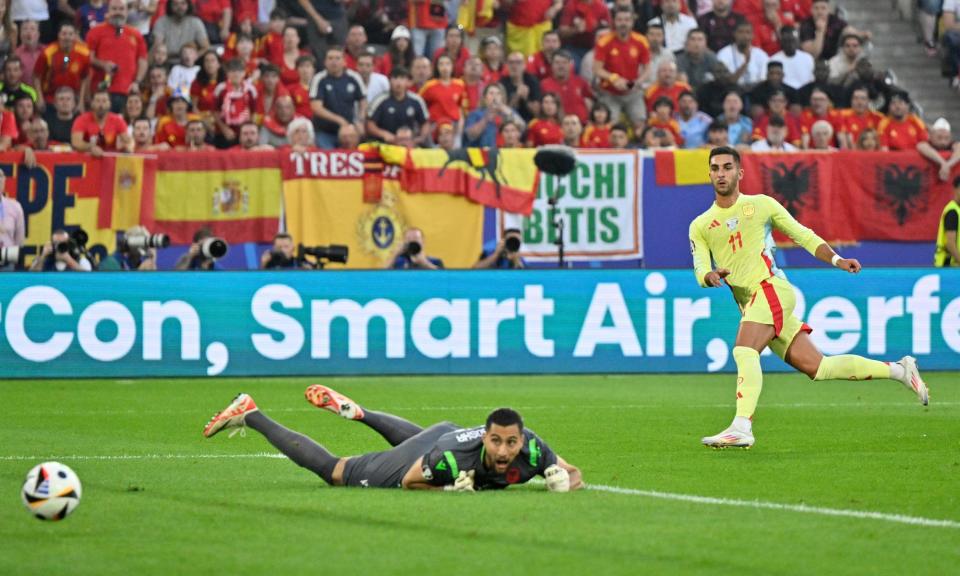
{"points": [[735, 241]]}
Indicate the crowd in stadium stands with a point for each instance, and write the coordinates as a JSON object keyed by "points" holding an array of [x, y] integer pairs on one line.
{"points": [[153, 75]]}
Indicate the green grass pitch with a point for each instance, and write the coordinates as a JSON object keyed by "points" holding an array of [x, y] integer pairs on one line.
{"points": [[158, 498]]}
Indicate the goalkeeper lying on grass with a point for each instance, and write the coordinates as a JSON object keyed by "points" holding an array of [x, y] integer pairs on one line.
{"points": [[441, 457]]}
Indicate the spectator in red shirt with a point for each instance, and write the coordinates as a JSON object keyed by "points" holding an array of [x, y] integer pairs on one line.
{"points": [[217, 17], [354, 46], [666, 85], [579, 21], [100, 130], [291, 52], [619, 61], [527, 21], [8, 129], [538, 63], [275, 125], [245, 28], [236, 102], [172, 128], [65, 62], [300, 92], [271, 45], [820, 109], [211, 73], [597, 132], [767, 25], [491, 54], [157, 92], [269, 89], [662, 117], [399, 52], [574, 92], [777, 102], [24, 111], [444, 96], [901, 130], [473, 82], [453, 47], [427, 19], [119, 55], [858, 117], [545, 128]]}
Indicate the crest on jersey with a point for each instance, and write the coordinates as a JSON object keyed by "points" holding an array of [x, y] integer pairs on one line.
{"points": [[901, 190], [732, 223], [793, 185], [749, 210]]}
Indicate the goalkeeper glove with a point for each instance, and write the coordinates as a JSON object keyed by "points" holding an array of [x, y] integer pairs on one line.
{"points": [[463, 483], [558, 479]]}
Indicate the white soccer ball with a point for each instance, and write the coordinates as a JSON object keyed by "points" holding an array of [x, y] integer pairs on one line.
{"points": [[52, 491]]}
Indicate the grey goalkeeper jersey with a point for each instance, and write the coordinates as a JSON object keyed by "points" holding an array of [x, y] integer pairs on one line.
{"points": [[463, 450]]}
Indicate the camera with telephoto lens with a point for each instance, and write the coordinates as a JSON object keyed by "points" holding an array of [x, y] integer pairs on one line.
{"points": [[213, 248], [145, 241], [323, 254], [9, 255], [413, 248], [512, 244], [75, 245]]}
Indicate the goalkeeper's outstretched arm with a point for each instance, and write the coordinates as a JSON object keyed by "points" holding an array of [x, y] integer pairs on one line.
{"points": [[568, 476]]}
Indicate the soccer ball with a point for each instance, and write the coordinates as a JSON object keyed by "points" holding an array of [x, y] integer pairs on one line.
{"points": [[52, 491]]}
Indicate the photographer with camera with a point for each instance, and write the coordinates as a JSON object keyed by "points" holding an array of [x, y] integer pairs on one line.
{"points": [[506, 256], [281, 256], [136, 250], [411, 254], [63, 253], [12, 228], [203, 253]]}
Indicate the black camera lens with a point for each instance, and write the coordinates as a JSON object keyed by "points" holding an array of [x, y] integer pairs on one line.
{"points": [[414, 248], [512, 243]]}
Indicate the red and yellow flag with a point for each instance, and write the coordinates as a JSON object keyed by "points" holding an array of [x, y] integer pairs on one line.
{"points": [[682, 167], [505, 179], [236, 194], [325, 203]]}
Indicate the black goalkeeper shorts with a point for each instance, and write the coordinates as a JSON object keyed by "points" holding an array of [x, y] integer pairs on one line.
{"points": [[386, 469]]}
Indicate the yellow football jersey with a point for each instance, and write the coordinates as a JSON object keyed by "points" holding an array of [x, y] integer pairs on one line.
{"points": [[740, 239]]}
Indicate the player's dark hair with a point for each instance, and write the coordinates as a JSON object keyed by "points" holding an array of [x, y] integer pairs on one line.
{"points": [[722, 150], [504, 417]]}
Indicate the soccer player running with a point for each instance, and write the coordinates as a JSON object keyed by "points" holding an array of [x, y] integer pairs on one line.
{"points": [[441, 457], [736, 232]]}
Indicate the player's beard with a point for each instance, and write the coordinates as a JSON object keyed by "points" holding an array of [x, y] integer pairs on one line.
{"points": [[729, 186]]}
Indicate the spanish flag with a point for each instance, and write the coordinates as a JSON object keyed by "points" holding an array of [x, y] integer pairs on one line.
{"points": [[127, 185], [326, 202], [237, 195], [682, 167], [505, 179]]}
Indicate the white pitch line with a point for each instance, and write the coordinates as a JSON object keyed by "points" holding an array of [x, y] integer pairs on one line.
{"points": [[691, 498], [759, 504], [521, 408], [144, 457]]}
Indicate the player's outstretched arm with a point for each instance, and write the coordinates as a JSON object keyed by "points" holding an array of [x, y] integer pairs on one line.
{"points": [[826, 254], [572, 472]]}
